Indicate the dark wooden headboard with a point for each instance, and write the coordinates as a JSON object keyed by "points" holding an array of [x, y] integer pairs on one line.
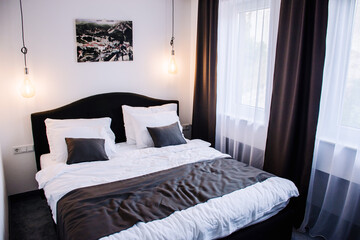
{"points": [[102, 105]]}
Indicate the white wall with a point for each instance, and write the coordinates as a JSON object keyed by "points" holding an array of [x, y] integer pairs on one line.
{"points": [[193, 37], [59, 79], [3, 204]]}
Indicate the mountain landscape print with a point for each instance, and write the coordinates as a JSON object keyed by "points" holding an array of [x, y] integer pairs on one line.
{"points": [[104, 40]]}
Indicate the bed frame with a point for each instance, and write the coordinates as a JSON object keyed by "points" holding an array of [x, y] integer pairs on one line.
{"points": [[102, 105], [109, 105]]}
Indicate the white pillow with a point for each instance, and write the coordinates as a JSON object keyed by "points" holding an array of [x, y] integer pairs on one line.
{"points": [[81, 122], [127, 110], [58, 148], [140, 123]]}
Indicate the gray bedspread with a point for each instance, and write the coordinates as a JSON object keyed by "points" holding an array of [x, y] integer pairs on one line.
{"points": [[97, 211]]}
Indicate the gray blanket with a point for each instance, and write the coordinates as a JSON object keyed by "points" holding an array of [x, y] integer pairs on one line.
{"points": [[97, 211]]}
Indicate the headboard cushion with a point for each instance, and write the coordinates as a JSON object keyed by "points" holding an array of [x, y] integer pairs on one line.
{"points": [[102, 105]]}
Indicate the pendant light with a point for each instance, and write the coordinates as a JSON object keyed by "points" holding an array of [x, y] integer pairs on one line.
{"points": [[172, 62], [27, 88]]}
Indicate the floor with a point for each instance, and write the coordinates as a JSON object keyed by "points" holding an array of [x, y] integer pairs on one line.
{"points": [[30, 219], [303, 236]]}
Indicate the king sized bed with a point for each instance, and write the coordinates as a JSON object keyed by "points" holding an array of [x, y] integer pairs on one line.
{"points": [[116, 166]]}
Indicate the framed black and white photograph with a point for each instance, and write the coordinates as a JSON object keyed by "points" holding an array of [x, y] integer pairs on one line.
{"points": [[104, 40]]}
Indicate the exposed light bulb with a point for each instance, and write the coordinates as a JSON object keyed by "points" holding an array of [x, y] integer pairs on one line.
{"points": [[172, 63], [27, 88]]}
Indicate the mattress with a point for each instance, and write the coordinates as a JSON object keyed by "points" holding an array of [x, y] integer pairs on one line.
{"points": [[252, 204]]}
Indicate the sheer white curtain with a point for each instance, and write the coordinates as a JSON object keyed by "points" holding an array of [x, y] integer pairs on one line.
{"points": [[247, 34], [333, 207]]}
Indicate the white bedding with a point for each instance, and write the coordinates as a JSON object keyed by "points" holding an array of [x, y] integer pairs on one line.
{"points": [[213, 219]]}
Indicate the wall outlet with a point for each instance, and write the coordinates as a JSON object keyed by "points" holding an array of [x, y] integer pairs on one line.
{"points": [[23, 149]]}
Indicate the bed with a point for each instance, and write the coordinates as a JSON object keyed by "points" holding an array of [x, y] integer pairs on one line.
{"points": [[143, 207]]}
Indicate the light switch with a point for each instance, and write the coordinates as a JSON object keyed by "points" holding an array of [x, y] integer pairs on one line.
{"points": [[23, 149]]}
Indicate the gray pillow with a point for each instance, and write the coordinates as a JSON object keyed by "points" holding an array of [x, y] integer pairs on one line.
{"points": [[167, 135], [85, 150]]}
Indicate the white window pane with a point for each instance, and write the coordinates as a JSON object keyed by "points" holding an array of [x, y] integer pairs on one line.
{"points": [[351, 104], [256, 41]]}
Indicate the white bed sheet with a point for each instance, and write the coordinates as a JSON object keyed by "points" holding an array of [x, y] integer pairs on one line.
{"points": [[263, 199]]}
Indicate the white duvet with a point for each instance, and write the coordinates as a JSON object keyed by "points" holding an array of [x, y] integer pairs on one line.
{"points": [[215, 218]]}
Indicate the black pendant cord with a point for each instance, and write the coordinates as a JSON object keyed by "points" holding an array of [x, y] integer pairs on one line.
{"points": [[23, 49], [172, 29]]}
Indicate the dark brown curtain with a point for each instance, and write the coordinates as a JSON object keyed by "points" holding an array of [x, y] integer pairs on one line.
{"points": [[204, 106], [295, 100]]}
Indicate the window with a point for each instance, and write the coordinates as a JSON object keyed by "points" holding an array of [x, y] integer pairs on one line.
{"points": [[339, 117], [247, 35], [254, 56], [246, 53], [351, 104]]}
